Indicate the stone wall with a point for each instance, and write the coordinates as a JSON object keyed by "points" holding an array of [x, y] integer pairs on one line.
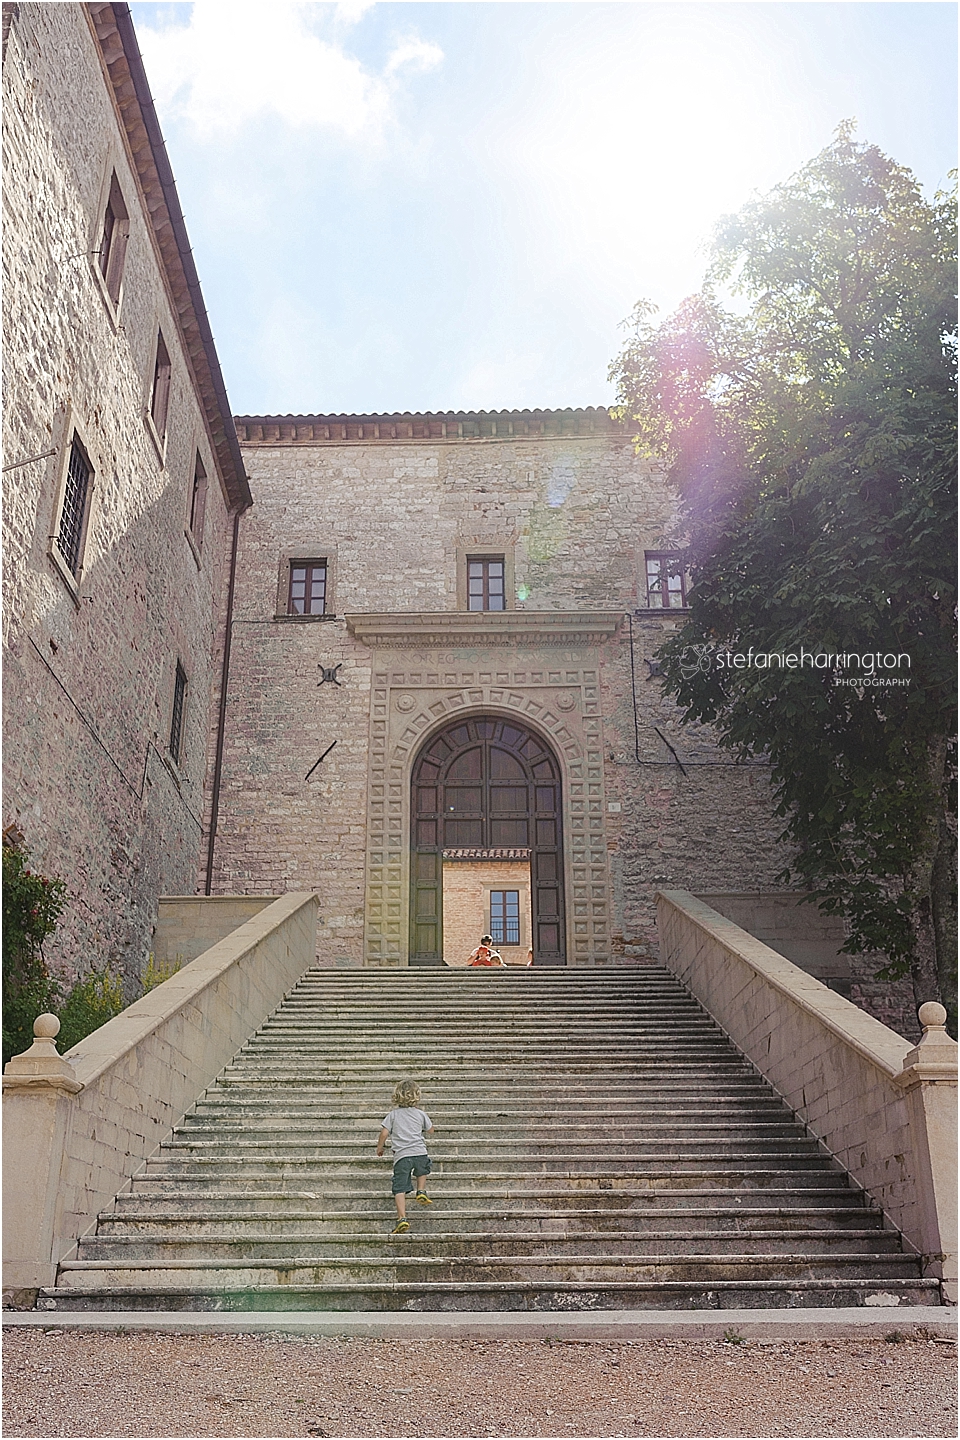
{"points": [[813, 940], [885, 1111], [395, 511], [89, 670], [68, 1149], [187, 925]]}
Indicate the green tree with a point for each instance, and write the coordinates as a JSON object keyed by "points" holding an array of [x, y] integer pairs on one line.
{"points": [[809, 423], [31, 906]]}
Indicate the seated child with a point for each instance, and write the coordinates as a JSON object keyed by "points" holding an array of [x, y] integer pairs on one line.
{"points": [[485, 954]]}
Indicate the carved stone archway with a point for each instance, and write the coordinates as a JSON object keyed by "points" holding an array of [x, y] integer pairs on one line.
{"points": [[487, 782], [542, 669]]}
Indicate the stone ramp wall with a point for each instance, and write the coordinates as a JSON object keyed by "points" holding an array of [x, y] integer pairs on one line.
{"points": [[886, 1110], [77, 1128], [187, 925]]}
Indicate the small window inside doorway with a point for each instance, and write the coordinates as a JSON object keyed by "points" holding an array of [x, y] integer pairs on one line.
{"points": [[485, 582], [505, 917]]}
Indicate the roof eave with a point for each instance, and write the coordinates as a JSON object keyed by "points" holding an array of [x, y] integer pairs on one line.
{"points": [[112, 26]]}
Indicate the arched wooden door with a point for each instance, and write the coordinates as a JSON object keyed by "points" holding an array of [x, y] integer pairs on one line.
{"points": [[487, 783]]}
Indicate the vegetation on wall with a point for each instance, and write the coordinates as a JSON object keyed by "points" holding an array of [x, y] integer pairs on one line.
{"points": [[32, 905], [805, 401], [93, 1000]]}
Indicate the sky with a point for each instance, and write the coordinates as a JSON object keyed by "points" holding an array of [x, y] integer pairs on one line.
{"points": [[454, 206]]}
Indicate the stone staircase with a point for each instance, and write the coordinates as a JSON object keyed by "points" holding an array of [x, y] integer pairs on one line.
{"points": [[599, 1144]]}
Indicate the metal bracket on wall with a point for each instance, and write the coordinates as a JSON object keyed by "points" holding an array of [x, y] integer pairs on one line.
{"points": [[328, 674], [322, 757]]}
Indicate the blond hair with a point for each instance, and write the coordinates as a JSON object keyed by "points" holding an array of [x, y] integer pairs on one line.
{"points": [[406, 1093]]}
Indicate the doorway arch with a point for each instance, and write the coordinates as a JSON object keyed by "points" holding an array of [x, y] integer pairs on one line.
{"points": [[486, 783]]}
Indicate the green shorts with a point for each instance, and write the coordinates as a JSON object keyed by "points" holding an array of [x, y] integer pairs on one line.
{"points": [[405, 1169]]}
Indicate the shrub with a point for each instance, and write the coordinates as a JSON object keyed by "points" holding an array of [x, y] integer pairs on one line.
{"points": [[155, 973], [32, 904], [93, 1000]]}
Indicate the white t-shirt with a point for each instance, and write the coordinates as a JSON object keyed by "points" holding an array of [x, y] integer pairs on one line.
{"points": [[406, 1128]]}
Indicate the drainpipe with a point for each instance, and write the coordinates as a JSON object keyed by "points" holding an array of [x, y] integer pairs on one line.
{"points": [[222, 717]]}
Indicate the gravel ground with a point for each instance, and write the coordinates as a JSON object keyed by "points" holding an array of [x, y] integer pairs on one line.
{"points": [[88, 1385]]}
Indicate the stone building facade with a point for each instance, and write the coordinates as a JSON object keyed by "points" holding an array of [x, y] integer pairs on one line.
{"points": [[122, 479], [439, 631], [391, 511]]}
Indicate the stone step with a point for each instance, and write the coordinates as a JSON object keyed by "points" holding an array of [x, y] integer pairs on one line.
{"points": [[618, 1132], [602, 1159], [655, 1027], [370, 1179], [264, 1131], [447, 1050], [575, 1152], [739, 1088], [299, 1251], [465, 1076], [457, 1268], [447, 980], [227, 1223], [740, 1294], [599, 1144], [152, 1193], [267, 1116], [530, 1030]]}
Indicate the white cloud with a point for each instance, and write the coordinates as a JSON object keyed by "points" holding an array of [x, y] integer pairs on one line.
{"points": [[419, 54], [236, 62], [348, 12]]}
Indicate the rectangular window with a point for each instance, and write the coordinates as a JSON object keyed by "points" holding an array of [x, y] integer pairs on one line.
{"points": [[160, 396], [113, 240], [666, 585], [76, 505], [485, 587], [308, 587], [505, 917], [198, 500], [177, 714]]}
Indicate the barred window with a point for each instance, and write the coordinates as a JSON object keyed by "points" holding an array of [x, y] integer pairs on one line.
{"points": [[177, 714], [505, 917], [308, 587], [76, 503], [485, 582], [666, 583], [198, 500]]}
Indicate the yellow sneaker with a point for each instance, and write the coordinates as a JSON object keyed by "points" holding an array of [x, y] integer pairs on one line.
{"points": [[401, 1227], [423, 1198]]}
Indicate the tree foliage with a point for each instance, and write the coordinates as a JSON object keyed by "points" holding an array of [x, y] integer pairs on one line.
{"points": [[31, 907], [809, 422]]}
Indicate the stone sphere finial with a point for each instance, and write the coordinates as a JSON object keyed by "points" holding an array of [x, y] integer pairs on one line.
{"points": [[932, 1015], [46, 1027]]}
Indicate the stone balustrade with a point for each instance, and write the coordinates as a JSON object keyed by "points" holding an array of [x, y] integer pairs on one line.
{"points": [[886, 1110], [76, 1128]]}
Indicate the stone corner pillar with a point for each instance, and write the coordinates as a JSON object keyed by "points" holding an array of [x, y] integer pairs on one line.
{"points": [[39, 1087], [929, 1079]]}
